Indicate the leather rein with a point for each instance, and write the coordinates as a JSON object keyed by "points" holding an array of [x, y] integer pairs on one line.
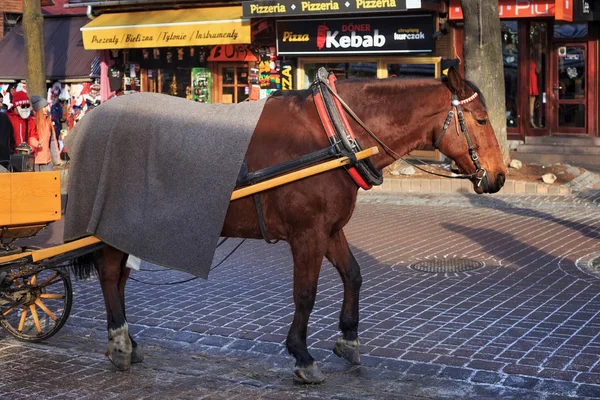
{"points": [[479, 174]]}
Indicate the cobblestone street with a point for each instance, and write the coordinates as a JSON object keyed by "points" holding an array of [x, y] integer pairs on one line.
{"points": [[526, 325]]}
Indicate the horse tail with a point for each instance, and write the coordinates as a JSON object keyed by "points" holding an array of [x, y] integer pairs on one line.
{"points": [[83, 267]]}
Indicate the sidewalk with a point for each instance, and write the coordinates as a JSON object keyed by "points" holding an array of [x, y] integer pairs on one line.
{"points": [[433, 184]]}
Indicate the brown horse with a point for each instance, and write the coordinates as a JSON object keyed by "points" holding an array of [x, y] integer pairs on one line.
{"points": [[310, 214]]}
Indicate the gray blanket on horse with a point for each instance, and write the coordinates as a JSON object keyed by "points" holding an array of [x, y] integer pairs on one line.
{"points": [[152, 175]]}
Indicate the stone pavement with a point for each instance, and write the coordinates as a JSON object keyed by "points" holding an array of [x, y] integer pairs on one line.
{"points": [[524, 326], [433, 184]]}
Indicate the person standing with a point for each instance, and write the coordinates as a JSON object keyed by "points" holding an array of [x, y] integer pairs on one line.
{"points": [[24, 130], [47, 151], [56, 113]]}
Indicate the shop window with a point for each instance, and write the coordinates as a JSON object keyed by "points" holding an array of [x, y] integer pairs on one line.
{"points": [[510, 56], [536, 69], [175, 81], [570, 31], [344, 70], [234, 83], [411, 70]]}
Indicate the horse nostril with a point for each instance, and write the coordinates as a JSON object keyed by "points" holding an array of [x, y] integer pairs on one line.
{"points": [[500, 180]]}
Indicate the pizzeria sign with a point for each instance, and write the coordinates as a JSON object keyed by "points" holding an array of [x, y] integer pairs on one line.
{"points": [[400, 34]]}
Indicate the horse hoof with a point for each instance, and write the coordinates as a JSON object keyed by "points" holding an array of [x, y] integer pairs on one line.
{"points": [[310, 374], [347, 349], [137, 355], [120, 360]]}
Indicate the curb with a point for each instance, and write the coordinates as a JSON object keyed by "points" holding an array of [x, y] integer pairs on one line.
{"points": [[441, 185]]}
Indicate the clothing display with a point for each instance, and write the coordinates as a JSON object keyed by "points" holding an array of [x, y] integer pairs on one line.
{"points": [[533, 79]]}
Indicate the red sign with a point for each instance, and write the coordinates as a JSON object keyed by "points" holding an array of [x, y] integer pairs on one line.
{"points": [[562, 9], [231, 52]]}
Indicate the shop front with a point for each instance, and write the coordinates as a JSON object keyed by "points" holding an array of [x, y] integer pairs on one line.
{"points": [[200, 54], [550, 58]]}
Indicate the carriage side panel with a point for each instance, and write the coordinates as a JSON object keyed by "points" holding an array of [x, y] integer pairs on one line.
{"points": [[29, 197]]}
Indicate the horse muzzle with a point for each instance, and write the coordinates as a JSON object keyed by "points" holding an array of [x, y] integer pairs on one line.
{"points": [[488, 183]]}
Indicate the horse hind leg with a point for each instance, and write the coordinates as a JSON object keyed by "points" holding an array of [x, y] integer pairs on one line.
{"points": [[137, 355], [339, 254], [308, 254], [108, 261]]}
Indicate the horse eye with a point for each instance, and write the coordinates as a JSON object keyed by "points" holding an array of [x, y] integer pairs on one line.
{"points": [[482, 121]]}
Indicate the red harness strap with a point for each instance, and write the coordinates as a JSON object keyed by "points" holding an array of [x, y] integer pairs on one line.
{"points": [[330, 131]]}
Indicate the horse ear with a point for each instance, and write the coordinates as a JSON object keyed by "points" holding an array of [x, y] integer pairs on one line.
{"points": [[456, 83]]}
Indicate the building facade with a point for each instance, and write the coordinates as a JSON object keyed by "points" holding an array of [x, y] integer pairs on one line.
{"points": [[551, 63]]}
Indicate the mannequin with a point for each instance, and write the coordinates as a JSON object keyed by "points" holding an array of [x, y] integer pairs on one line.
{"points": [[534, 70]]}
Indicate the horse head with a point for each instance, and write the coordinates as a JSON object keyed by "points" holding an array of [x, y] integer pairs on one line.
{"points": [[476, 150]]}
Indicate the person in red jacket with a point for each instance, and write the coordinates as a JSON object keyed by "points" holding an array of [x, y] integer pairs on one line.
{"points": [[24, 128]]}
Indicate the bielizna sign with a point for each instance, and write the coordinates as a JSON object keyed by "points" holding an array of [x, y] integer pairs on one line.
{"points": [[400, 34]]}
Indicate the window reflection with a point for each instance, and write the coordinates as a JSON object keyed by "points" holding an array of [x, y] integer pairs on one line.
{"points": [[571, 72], [341, 70], [569, 31], [411, 70], [510, 57]]}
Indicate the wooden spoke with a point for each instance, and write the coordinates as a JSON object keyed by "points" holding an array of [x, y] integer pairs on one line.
{"points": [[23, 316], [38, 327], [47, 281], [5, 313], [33, 279], [52, 296], [45, 309]]}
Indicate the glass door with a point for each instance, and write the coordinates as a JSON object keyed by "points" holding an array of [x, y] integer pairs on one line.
{"points": [[233, 83], [570, 88]]}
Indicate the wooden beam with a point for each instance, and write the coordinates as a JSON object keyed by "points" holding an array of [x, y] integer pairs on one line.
{"points": [[301, 174]]}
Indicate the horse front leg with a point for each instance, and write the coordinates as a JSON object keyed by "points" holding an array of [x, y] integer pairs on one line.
{"points": [[108, 262], [137, 355], [339, 254], [308, 251]]}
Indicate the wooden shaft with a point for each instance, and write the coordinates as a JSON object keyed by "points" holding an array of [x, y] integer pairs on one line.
{"points": [[303, 173]]}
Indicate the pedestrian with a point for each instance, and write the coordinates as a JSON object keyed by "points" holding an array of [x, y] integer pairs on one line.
{"points": [[7, 141], [24, 130], [56, 112], [47, 151]]}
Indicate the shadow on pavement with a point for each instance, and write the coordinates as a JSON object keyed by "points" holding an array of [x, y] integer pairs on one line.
{"points": [[509, 208]]}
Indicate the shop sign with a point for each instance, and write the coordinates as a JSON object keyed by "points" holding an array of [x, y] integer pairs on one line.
{"points": [[286, 8], [400, 34], [516, 8], [230, 52]]}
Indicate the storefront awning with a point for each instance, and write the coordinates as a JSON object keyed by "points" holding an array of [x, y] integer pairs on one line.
{"points": [[65, 57], [559, 9], [167, 28]]}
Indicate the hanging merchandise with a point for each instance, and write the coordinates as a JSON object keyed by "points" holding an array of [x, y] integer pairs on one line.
{"points": [[115, 79], [173, 86], [201, 85], [156, 54], [65, 93]]}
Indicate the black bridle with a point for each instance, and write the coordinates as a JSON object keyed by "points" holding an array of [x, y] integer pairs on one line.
{"points": [[479, 173]]}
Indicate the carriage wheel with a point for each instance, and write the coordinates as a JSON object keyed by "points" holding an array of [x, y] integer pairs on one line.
{"points": [[34, 306]]}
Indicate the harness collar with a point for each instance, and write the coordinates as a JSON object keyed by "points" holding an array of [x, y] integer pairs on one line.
{"points": [[339, 131]]}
